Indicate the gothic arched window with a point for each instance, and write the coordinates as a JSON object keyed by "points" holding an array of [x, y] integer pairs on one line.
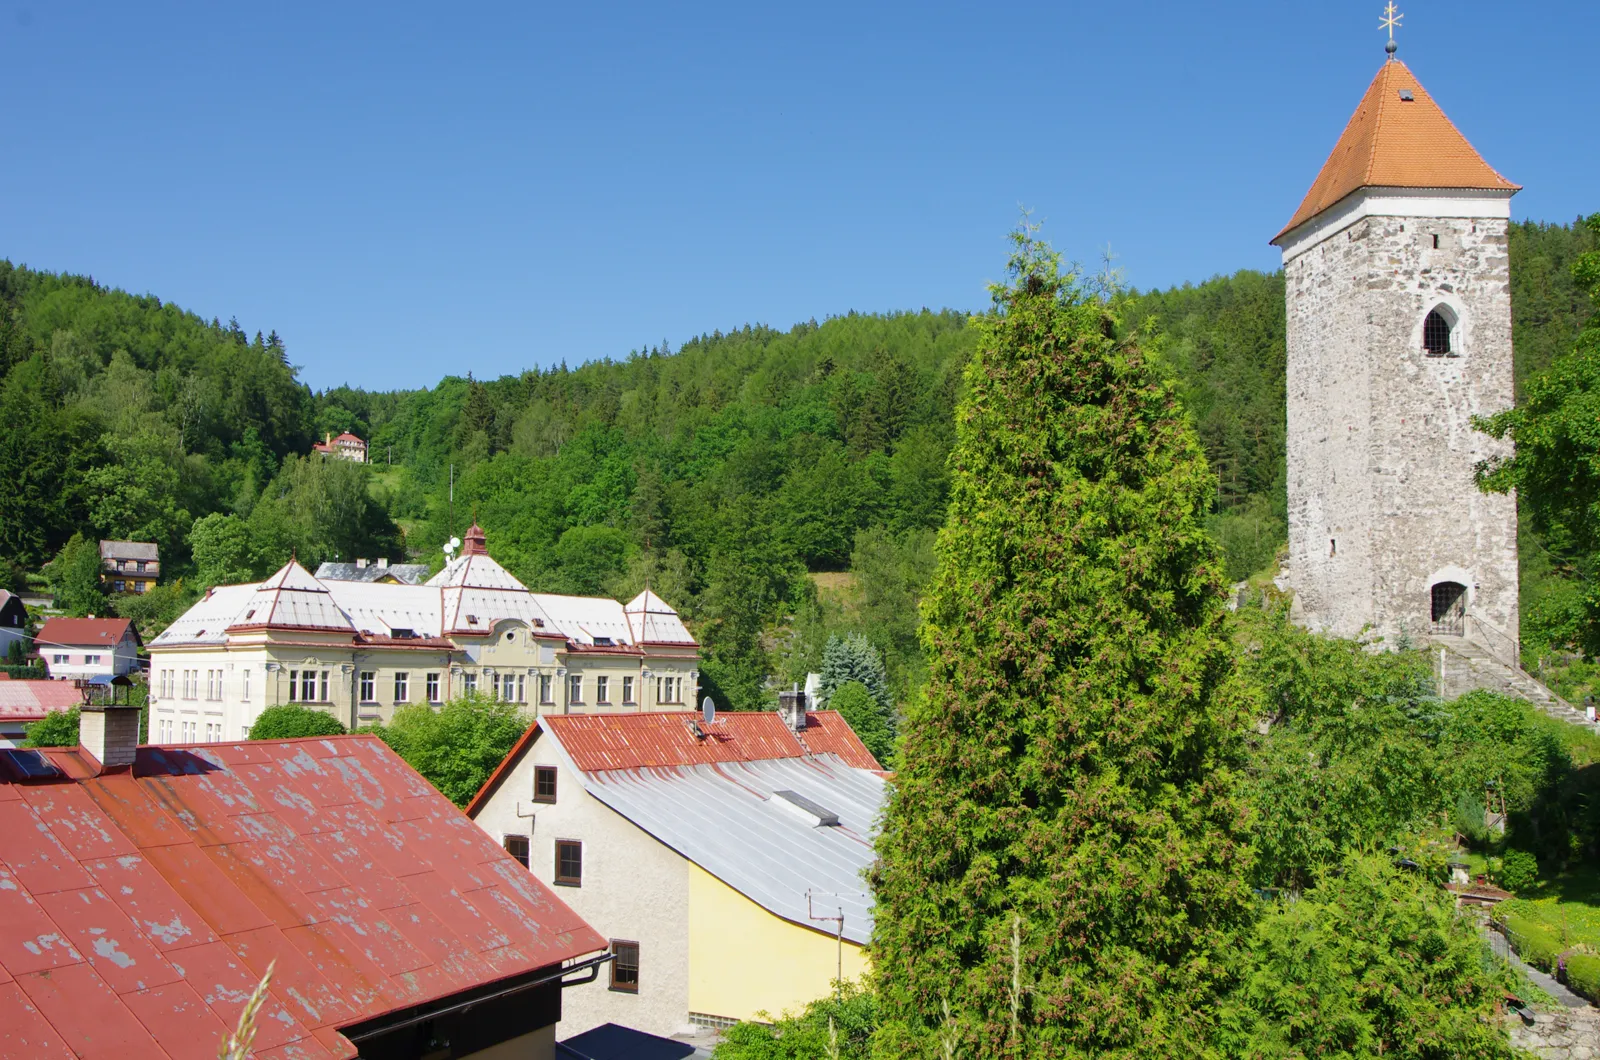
{"points": [[1436, 334]]}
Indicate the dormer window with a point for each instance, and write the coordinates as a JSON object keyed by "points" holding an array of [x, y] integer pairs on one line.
{"points": [[1436, 334]]}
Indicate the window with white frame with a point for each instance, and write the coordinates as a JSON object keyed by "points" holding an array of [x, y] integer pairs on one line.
{"points": [[244, 684], [469, 682], [669, 690], [58, 659], [574, 689], [402, 686], [547, 692], [91, 660], [508, 687], [433, 688], [602, 690], [627, 691], [369, 686]]}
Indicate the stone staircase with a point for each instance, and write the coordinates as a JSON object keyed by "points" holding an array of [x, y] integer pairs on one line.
{"points": [[1463, 665]]}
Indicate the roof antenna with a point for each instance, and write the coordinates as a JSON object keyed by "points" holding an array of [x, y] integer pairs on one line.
{"points": [[1391, 19]]}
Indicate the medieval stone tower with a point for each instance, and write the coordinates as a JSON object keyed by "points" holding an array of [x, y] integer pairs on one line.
{"points": [[1399, 331]]}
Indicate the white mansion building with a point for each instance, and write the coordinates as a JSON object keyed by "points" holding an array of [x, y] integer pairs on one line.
{"points": [[360, 649]]}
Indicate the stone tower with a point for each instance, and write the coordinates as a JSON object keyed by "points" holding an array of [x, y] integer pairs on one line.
{"points": [[1399, 331]]}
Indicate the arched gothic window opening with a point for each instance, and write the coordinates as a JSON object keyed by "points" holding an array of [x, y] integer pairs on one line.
{"points": [[1436, 335], [1449, 608]]}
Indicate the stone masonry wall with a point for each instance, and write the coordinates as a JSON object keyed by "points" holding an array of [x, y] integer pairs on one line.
{"points": [[1381, 447]]}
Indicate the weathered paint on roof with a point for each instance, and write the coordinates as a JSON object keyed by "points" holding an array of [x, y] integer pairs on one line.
{"points": [[145, 550], [138, 909]]}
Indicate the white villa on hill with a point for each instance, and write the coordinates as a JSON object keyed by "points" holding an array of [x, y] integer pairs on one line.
{"points": [[360, 649]]}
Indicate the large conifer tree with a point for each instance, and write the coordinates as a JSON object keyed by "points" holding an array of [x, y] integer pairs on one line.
{"points": [[1059, 868]]}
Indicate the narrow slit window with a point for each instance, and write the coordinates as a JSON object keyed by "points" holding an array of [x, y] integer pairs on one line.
{"points": [[1436, 335]]}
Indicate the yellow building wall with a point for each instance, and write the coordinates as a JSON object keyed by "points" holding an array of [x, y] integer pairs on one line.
{"points": [[744, 961]]}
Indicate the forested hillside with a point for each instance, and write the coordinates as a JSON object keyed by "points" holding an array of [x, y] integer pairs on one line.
{"points": [[777, 486]]}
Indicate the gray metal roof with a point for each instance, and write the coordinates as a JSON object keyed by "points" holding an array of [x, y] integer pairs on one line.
{"points": [[727, 819], [129, 550], [407, 573]]}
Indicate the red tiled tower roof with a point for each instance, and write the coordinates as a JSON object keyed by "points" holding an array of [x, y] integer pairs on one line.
{"points": [[1392, 142]]}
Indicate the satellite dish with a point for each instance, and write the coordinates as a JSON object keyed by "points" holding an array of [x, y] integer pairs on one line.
{"points": [[708, 710], [455, 543]]}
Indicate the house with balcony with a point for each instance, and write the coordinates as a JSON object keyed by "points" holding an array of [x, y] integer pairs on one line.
{"points": [[361, 650], [129, 566]]}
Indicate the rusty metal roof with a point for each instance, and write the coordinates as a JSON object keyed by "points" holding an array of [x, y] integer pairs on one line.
{"points": [[138, 909]]}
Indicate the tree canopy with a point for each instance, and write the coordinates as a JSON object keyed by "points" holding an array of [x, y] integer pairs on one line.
{"points": [[1061, 859]]}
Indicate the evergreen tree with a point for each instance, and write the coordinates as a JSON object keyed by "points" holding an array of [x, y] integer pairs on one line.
{"points": [[867, 717], [1062, 868], [852, 658], [74, 577]]}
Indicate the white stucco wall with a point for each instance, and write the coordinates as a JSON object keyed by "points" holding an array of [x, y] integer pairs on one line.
{"points": [[634, 889]]}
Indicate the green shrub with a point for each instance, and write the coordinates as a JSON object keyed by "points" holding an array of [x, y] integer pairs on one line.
{"points": [[59, 728], [25, 673], [1583, 974], [1535, 943], [456, 746], [289, 721], [1519, 870]]}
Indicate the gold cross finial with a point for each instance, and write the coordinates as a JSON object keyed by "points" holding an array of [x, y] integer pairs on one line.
{"points": [[1391, 18]]}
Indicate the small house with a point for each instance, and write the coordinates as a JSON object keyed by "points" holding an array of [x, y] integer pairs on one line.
{"points": [[723, 860], [87, 648], [129, 566], [346, 447]]}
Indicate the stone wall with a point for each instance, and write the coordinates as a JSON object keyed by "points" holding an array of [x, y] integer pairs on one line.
{"points": [[1380, 445]]}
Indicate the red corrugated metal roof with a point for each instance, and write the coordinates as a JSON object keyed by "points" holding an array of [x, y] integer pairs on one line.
{"points": [[139, 909], [86, 632], [32, 700], [598, 742]]}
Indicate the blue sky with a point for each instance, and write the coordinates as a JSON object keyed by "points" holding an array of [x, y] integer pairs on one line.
{"points": [[406, 190]]}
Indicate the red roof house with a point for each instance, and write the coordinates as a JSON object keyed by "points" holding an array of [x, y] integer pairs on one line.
{"points": [[25, 702], [88, 647], [140, 904]]}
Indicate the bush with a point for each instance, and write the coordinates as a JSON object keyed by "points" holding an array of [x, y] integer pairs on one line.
{"points": [[853, 1016], [1535, 943], [1583, 975], [1518, 871], [1370, 962], [458, 745], [59, 728], [289, 721], [26, 673], [866, 716]]}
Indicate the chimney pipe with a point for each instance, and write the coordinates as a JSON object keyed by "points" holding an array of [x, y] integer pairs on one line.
{"points": [[792, 709], [109, 732], [361, 564], [383, 563]]}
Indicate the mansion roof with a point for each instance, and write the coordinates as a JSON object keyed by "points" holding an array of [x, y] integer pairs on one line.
{"points": [[469, 597]]}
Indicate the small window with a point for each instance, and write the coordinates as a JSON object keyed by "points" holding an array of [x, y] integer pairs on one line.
{"points": [[402, 687], [544, 783], [575, 689], [517, 847], [508, 687], [1436, 241], [433, 688], [627, 691], [602, 690], [1436, 335], [625, 966], [569, 863], [469, 682], [546, 692], [369, 686]]}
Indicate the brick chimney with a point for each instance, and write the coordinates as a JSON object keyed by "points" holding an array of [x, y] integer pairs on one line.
{"points": [[792, 709], [110, 733]]}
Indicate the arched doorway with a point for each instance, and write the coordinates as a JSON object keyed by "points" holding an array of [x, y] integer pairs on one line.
{"points": [[1449, 608]]}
